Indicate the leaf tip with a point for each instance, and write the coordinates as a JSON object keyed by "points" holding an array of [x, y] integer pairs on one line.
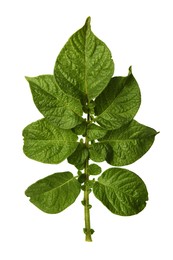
{"points": [[88, 22], [130, 70], [27, 78]]}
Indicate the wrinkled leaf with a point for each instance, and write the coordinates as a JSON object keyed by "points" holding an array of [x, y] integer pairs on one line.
{"points": [[94, 169], [63, 110], [79, 156], [80, 129], [128, 144], [82, 178], [98, 152], [54, 193], [95, 132], [46, 143], [121, 191], [84, 66], [118, 103]]}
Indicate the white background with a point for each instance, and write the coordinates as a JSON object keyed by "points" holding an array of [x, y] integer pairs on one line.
{"points": [[138, 33]]}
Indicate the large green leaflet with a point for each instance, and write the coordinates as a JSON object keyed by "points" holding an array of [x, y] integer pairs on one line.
{"points": [[63, 110], [55, 192], [82, 83], [121, 191], [125, 145], [118, 103], [84, 66], [48, 144]]}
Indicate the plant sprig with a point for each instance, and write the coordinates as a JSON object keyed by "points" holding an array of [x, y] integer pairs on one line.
{"points": [[82, 98]]}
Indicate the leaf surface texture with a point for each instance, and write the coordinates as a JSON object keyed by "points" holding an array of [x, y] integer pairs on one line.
{"points": [[59, 108], [118, 103], [121, 191], [127, 144], [46, 143], [84, 66], [54, 193]]}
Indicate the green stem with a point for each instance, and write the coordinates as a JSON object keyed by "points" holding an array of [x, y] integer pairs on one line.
{"points": [[88, 231]]}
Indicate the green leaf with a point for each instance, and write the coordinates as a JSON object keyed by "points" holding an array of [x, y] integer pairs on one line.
{"points": [[118, 103], [80, 129], [98, 152], [46, 143], [94, 169], [79, 156], [84, 66], [82, 178], [128, 144], [121, 191], [63, 110], [95, 132], [55, 192]]}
